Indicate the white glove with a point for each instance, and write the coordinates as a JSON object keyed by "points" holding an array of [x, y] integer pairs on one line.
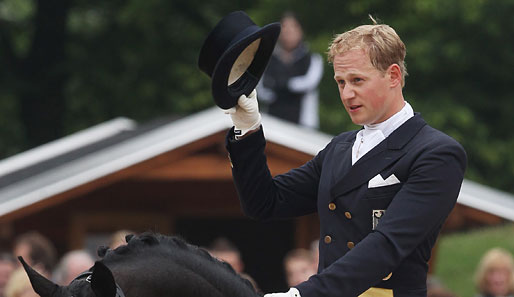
{"points": [[293, 292], [245, 115]]}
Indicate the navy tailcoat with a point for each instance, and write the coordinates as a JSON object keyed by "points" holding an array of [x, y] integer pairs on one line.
{"points": [[367, 233]]}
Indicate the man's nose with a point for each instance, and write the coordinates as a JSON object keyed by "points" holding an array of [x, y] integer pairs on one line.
{"points": [[347, 92]]}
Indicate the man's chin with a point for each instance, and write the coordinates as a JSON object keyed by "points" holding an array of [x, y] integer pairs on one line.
{"points": [[358, 122]]}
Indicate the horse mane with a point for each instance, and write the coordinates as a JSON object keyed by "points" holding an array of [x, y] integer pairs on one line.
{"points": [[149, 242]]}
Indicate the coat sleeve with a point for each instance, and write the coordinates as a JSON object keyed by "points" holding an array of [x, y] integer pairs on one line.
{"points": [[417, 210], [264, 197]]}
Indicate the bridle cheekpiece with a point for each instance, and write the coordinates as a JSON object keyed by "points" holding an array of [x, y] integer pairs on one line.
{"points": [[86, 276]]}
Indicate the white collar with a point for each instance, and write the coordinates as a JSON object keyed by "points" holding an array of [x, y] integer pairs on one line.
{"points": [[388, 126], [372, 135]]}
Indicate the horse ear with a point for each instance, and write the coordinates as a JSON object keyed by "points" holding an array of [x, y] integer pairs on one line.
{"points": [[40, 284], [102, 281]]}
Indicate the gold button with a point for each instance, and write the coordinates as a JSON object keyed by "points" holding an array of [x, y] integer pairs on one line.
{"points": [[350, 244], [348, 215], [332, 206], [388, 276], [328, 239]]}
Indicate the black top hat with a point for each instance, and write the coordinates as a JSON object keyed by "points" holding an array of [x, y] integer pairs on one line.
{"points": [[235, 54]]}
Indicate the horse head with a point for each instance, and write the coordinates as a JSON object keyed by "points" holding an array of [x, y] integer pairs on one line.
{"points": [[97, 282], [151, 265]]}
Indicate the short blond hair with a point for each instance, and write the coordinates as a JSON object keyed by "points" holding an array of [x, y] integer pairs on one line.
{"points": [[383, 46], [494, 258]]}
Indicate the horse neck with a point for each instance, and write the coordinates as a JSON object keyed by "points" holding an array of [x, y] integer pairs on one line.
{"points": [[148, 285], [177, 274]]}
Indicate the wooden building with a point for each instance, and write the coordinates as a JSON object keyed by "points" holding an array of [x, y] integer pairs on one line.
{"points": [[173, 177]]}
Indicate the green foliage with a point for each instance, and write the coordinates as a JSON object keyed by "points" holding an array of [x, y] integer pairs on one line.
{"points": [[138, 59], [16, 10], [458, 255], [19, 12], [10, 125]]}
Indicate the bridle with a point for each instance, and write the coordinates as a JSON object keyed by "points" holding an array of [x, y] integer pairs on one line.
{"points": [[86, 276]]}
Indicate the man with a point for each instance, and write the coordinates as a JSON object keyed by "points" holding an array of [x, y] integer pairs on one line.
{"points": [[298, 266], [37, 250], [223, 249], [382, 193]]}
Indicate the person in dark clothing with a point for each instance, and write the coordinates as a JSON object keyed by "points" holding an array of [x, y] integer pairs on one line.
{"points": [[289, 87]]}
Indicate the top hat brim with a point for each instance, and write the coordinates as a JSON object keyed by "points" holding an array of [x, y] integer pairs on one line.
{"points": [[225, 95]]}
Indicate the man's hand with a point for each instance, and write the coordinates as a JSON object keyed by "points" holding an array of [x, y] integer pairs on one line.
{"points": [[245, 115], [293, 292]]}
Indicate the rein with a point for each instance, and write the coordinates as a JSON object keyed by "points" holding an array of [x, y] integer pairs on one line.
{"points": [[86, 276]]}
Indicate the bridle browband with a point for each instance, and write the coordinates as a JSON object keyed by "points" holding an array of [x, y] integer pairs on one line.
{"points": [[86, 276]]}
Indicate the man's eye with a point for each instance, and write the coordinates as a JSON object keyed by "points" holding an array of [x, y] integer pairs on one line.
{"points": [[357, 79], [340, 82]]}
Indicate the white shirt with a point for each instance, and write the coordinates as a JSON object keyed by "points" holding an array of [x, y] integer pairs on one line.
{"points": [[372, 135]]}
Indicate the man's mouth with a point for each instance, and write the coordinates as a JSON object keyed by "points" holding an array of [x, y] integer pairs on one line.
{"points": [[355, 107]]}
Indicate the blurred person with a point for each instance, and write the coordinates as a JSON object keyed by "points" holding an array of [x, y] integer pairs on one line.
{"points": [[298, 265], [71, 265], [289, 87], [118, 238], [36, 249], [494, 276], [382, 192], [19, 284], [7, 266], [223, 249]]}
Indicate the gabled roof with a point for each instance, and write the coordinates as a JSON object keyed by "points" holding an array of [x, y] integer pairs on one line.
{"points": [[487, 199], [91, 154]]}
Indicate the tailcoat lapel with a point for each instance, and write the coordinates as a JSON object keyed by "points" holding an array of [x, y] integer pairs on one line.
{"points": [[343, 153], [381, 156]]}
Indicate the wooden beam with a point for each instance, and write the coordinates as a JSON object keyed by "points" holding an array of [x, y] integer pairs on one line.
{"points": [[196, 167], [135, 170], [477, 216]]}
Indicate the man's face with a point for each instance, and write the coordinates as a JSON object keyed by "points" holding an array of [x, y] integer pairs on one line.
{"points": [[291, 33], [298, 270], [366, 92]]}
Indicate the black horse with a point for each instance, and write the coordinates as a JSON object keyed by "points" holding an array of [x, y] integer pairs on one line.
{"points": [[150, 265]]}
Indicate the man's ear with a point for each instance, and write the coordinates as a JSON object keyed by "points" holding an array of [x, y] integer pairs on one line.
{"points": [[102, 281], [395, 75]]}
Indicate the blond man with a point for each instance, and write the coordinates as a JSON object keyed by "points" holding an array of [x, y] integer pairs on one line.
{"points": [[382, 192]]}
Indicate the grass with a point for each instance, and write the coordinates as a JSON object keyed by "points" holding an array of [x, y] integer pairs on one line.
{"points": [[459, 253]]}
